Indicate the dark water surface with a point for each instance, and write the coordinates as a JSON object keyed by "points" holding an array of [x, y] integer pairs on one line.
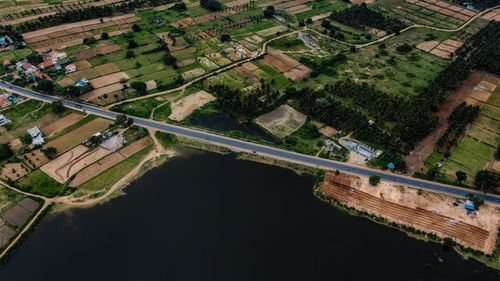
{"points": [[211, 217]]}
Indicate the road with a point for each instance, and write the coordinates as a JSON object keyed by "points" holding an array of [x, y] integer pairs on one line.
{"points": [[262, 150]]}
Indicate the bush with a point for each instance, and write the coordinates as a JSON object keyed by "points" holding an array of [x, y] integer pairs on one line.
{"points": [[89, 41], [224, 38], [104, 36], [129, 54], [405, 48], [140, 87], [136, 27], [132, 44], [5, 151], [374, 180], [269, 12]]}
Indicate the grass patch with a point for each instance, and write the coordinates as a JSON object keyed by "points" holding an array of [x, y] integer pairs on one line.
{"points": [[167, 140], [162, 112], [37, 182], [141, 108]]}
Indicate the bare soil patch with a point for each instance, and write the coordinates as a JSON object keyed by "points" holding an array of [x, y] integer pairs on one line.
{"points": [[52, 168], [61, 124], [426, 211], [135, 147], [82, 64], [102, 91], [77, 136], [35, 158], [189, 50], [13, 171], [290, 68], [185, 106], [16, 215], [186, 62], [97, 168], [282, 121], [6, 233], [101, 50], [109, 79], [107, 68], [66, 82], [29, 204]]}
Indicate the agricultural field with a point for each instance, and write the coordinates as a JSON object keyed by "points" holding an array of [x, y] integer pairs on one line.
{"points": [[475, 150]]}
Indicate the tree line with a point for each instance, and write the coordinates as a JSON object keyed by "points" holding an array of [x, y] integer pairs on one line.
{"points": [[458, 121], [87, 13], [360, 16]]}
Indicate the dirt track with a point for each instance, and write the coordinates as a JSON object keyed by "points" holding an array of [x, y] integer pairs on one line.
{"points": [[424, 148]]}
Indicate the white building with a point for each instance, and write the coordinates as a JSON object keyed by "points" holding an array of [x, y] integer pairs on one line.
{"points": [[36, 135], [3, 120]]}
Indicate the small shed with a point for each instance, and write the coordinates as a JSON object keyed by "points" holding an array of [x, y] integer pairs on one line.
{"points": [[469, 206]]}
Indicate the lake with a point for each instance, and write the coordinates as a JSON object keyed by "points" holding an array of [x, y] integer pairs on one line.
{"points": [[204, 216]]}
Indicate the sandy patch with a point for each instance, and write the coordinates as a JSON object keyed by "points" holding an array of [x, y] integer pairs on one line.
{"points": [[197, 72], [440, 53], [481, 96], [66, 82], [496, 165], [282, 121], [328, 131], [82, 64], [185, 62], [185, 106]]}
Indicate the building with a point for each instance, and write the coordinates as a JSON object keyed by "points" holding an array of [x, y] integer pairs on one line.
{"points": [[4, 102], [82, 82], [5, 41], [70, 68], [46, 64], [55, 56], [469, 206], [25, 67], [36, 135], [360, 148], [3, 120]]}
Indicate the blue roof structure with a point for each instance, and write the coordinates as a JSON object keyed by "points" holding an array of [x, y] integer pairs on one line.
{"points": [[390, 165], [469, 205]]}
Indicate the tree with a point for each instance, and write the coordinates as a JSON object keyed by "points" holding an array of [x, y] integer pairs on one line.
{"points": [[224, 38], [405, 48], [5, 151], [374, 180], [72, 91], [26, 138], [34, 59], [136, 27], [140, 87], [486, 180], [129, 54], [168, 59], [45, 86], [89, 41], [309, 21], [269, 12], [104, 36], [211, 5], [132, 44], [461, 176], [57, 106], [179, 6], [50, 152]]}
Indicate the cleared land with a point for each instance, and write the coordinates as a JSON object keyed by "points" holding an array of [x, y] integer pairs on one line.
{"points": [[437, 214], [290, 68], [185, 106], [282, 121]]}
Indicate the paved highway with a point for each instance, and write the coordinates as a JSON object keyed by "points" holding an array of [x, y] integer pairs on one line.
{"points": [[243, 146]]}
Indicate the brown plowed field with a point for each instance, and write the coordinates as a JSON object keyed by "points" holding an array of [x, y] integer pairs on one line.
{"points": [[425, 220], [97, 168], [135, 147], [61, 124]]}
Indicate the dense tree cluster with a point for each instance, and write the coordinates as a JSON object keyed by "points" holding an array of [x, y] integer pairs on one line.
{"points": [[325, 66], [487, 181], [179, 6], [378, 103], [8, 31], [211, 5], [462, 116], [360, 16], [247, 105], [269, 12], [5, 151]]}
